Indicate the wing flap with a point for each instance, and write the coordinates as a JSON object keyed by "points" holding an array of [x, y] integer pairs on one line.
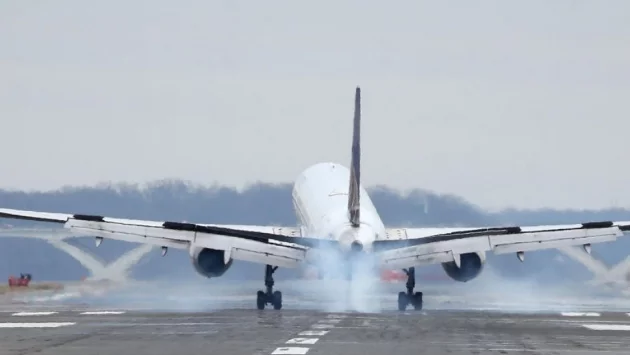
{"points": [[257, 256], [437, 252], [424, 248], [270, 252], [560, 239], [175, 242], [408, 257], [265, 244], [108, 229]]}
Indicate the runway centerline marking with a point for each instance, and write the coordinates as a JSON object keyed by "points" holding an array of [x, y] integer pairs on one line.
{"points": [[322, 326], [309, 341], [336, 316], [165, 324], [290, 351], [332, 321], [580, 314], [313, 332], [96, 313], [36, 325], [24, 314], [600, 326], [328, 322]]}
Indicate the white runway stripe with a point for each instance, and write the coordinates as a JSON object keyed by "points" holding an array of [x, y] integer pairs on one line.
{"points": [[102, 312], [35, 325], [322, 326], [24, 314], [332, 321], [580, 314], [290, 351], [607, 326], [313, 333], [309, 341], [335, 316]]}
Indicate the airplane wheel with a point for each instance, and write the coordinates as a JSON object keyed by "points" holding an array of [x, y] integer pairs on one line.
{"points": [[260, 300], [277, 300], [417, 301], [403, 301]]}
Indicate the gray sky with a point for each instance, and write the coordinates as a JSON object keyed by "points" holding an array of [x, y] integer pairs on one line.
{"points": [[504, 103]]}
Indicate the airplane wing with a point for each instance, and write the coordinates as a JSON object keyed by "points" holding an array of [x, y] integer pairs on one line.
{"points": [[280, 246], [288, 247], [407, 247]]}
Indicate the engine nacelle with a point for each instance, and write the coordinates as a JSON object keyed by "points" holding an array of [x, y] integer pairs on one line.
{"points": [[470, 267], [209, 262]]}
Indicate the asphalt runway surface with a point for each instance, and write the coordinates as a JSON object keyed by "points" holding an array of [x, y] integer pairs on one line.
{"points": [[142, 320], [83, 332]]}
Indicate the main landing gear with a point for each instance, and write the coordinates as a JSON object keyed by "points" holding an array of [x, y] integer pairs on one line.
{"points": [[269, 297], [405, 299]]}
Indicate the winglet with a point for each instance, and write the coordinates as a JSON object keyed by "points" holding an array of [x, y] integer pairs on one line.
{"points": [[355, 166]]}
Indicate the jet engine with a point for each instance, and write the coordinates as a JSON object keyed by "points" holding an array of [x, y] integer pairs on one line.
{"points": [[469, 268], [209, 262]]}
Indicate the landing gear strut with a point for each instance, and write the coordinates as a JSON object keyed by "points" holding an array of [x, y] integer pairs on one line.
{"points": [[415, 299], [269, 297]]}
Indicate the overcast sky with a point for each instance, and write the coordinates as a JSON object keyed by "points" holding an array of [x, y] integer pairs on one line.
{"points": [[505, 103]]}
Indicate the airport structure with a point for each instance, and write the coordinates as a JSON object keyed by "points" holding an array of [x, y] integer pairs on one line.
{"points": [[115, 271]]}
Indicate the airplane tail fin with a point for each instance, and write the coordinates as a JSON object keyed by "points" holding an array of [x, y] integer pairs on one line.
{"points": [[355, 166]]}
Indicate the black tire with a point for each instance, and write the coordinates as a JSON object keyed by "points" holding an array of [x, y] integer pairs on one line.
{"points": [[277, 300], [261, 300], [403, 301], [417, 301]]}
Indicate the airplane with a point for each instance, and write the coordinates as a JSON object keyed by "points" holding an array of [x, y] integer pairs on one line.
{"points": [[335, 216]]}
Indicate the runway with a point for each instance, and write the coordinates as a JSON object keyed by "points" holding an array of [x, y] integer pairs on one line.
{"points": [[222, 319], [84, 331]]}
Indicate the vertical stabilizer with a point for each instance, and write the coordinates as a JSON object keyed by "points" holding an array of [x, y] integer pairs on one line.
{"points": [[355, 166]]}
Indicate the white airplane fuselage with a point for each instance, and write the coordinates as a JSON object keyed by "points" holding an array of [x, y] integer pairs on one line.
{"points": [[320, 200]]}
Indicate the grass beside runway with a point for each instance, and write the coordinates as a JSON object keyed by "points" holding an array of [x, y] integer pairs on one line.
{"points": [[34, 286]]}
